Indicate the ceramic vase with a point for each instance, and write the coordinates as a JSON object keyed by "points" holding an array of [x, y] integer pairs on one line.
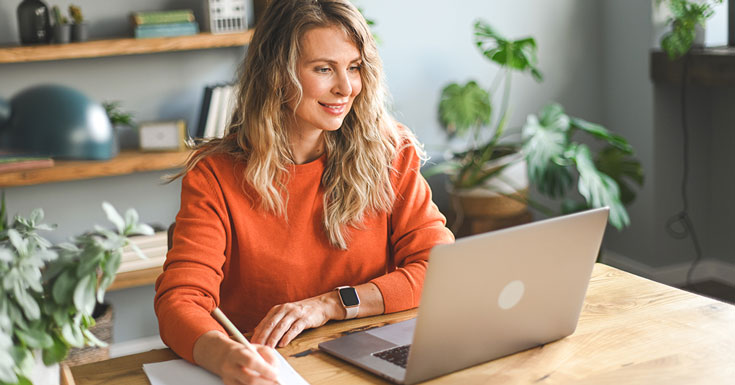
{"points": [[34, 23]]}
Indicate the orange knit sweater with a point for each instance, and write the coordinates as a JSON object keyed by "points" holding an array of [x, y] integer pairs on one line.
{"points": [[228, 252]]}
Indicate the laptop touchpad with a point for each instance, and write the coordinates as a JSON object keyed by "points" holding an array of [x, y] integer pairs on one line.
{"points": [[400, 333]]}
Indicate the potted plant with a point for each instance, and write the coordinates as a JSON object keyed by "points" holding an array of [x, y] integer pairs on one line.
{"points": [[123, 124], [686, 18], [61, 26], [49, 292], [491, 175], [79, 27]]}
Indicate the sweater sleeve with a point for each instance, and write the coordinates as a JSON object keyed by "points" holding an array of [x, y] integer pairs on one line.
{"points": [[188, 289], [416, 226]]}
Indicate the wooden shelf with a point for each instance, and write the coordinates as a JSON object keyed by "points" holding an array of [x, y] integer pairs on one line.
{"points": [[126, 163], [119, 47], [706, 67], [135, 278]]}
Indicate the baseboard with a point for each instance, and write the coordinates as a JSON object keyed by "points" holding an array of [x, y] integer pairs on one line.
{"points": [[139, 345], [674, 275]]}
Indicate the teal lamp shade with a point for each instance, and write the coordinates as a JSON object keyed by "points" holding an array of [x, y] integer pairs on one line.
{"points": [[56, 121]]}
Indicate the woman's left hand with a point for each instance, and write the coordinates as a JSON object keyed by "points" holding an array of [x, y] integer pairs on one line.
{"points": [[284, 322]]}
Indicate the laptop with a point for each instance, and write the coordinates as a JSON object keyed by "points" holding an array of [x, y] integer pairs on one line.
{"points": [[485, 297]]}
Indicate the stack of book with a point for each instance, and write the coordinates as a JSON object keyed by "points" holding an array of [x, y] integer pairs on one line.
{"points": [[154, 248], [164, 23], [218, 104], [10, 162]]}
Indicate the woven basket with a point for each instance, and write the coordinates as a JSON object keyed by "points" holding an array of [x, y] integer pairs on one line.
{"points": [[103, 330]]}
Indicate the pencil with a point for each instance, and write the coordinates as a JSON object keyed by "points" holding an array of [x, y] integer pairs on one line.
{"points": [[230, 327]]}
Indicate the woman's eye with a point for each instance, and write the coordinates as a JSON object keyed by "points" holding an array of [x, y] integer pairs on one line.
{"points": [[323, 70], [355, 68]]}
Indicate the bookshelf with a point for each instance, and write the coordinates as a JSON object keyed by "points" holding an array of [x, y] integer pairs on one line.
{"points": [[120, 47], [127, 162]]}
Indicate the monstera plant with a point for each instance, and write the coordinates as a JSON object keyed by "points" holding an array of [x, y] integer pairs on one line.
{"points": [[48, 293], [549, 146]]}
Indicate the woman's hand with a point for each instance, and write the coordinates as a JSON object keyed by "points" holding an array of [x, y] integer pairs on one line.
{"points": [[286, 321], [234, 363]]}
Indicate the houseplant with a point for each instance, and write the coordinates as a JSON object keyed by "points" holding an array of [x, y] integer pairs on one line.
{"points": [[686, 15], [49, 292], [61, 26], [79, 27], [547, 148], [124, 126]]}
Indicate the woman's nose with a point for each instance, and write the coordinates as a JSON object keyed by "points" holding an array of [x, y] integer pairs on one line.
{"points": [[343, 86]]}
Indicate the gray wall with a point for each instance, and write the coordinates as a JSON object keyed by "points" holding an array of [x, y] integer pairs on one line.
{"points": [[426, 44], [649, 115]]}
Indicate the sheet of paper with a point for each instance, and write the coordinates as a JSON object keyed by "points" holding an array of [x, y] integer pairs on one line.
{"points": [[181, 372]]}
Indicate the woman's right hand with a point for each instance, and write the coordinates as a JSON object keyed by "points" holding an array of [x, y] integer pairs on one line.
{"points": [[233, 362]]}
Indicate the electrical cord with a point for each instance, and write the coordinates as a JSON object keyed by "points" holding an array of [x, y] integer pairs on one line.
{"points": [[682, 217]]}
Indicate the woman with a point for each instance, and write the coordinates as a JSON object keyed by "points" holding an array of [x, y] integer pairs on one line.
{"points": [[315, 187]]}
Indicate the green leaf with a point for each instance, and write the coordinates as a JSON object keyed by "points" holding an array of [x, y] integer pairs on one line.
{"points": [[142, 229], [464, 107], [20, 244], [34, 338], [601, 132], [93, 339], [7, 364], [545, 145], [84, 294], [64, 287], [72, 335], [6, 255], [599, 189], [520, 54], [27, 302], [623, 168], [89, 260], [36, 216], [56, 352], [113, 216]]}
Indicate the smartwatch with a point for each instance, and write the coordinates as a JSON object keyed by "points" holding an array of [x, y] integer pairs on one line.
{"points": [[350, 300]]}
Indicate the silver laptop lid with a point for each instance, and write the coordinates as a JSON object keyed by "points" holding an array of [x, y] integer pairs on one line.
{"points": [[498, 293]]}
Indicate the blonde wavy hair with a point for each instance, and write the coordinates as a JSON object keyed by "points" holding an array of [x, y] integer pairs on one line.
{"points": [[356, 180]]}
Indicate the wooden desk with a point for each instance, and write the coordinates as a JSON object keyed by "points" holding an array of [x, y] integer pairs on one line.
{"points": [[631, 331]]}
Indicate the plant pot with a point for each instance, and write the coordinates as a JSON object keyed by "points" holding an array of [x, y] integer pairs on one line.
{"points": [[79, 32], [103, 317], [62, 33], [497, 204], [42, 374]]}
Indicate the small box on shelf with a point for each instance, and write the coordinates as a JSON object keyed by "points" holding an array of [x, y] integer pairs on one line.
{"points": [[163, 136]]}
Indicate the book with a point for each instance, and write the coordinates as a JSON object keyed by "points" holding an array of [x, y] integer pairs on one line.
{"points": [[166, 30], [154, 248], [204, 111], [18, 162], [210, 128], [163, 17]]}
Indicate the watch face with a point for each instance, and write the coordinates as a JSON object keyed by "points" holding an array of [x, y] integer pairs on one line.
{"points": [[349, 296]]}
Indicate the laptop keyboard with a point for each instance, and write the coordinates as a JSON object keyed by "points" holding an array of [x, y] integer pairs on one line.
{"points": [[397, 355]]}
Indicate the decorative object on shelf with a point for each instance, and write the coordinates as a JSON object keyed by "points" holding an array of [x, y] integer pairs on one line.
{"points": [[180, 22], [683, 22], [226, 16], [56, 121], [34, 23], [163, 136], [546, 147], [126, 132], [79, 29], [62, 28], [54, 289]]}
